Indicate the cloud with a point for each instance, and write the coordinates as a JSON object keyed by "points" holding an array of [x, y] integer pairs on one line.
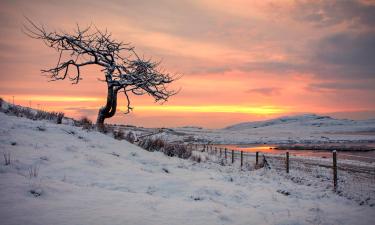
{"points": [[343, 55], [330, 13], [268, 91], [274, 67], [334, 86], [347, 54]]}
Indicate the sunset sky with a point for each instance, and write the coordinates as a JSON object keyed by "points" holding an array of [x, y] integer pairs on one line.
{"points": [[240, 60]]}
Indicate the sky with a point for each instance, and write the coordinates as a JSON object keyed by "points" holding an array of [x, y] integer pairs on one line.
{"points": [[239, 60]]}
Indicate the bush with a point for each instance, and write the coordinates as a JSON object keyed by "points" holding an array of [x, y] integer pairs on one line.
{"points": [[60, 116], [119, 134], [179, 150], [130, 137], [198, 156], [85, 123], [105, 129], [152, 144], [169, 149]]}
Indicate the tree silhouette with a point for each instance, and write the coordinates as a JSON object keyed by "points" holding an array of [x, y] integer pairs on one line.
{"points": [[124, 71]]}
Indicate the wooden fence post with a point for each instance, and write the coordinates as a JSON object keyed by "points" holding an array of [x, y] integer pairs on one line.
{"points": [[232, 156], [334, 157], [241, 159], [287, 162], [220, 152], [225, 154], [256, 158]]}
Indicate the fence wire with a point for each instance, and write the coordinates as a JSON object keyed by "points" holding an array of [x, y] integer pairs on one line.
{"points": [[355, 180]]}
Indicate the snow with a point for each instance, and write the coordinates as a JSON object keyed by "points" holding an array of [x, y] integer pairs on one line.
{"points": [[304, 129], [90, 178]]}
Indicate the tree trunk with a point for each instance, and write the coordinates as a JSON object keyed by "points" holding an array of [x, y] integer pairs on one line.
{"points": [[109, 109]]}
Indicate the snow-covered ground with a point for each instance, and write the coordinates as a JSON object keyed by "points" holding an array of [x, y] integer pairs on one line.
{"points": [[60, 174], [305, 129]]}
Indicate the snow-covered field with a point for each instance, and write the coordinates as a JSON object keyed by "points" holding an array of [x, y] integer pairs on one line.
{"points": [[308, 128], [60, 174]]}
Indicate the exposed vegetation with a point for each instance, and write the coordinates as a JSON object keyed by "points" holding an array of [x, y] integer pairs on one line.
{"points": [[169, 149], [34, 114], [85, 123]]}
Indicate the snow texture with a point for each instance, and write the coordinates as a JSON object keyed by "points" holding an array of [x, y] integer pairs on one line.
{"points": [[304, 129], [60, 174]]}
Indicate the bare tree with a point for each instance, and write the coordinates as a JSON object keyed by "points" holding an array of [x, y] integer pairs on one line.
{"points": [[124, 70]]}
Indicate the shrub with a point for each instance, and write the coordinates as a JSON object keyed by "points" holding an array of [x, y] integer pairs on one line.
{"points": [[198, 156], [179, 150], [85, 123], [152, 144], [263, 164], [105, 129], [60, 116], [119, 134], [130, 137], [169, 149]]}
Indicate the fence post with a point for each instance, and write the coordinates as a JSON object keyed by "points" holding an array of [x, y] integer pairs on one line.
{"points": [[256, 158], [225, 154], [334, 157], [287, 162], [241, 159], [232, 156]]}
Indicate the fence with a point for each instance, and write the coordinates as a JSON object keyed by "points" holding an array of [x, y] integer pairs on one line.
{"points": [[348, 178]]}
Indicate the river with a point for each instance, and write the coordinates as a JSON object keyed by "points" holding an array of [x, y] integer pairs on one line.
{"points": [[365, 156]]}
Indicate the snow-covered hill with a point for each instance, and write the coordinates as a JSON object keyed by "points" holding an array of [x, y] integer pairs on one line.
{"points": [[60, 174], [307, 121], [308, 128]]}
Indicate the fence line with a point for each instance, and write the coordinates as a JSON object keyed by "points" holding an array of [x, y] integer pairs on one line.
{"points": [[339, 171]]}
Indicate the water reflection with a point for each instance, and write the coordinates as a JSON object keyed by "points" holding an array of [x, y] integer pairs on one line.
{"points": [[271, 149]]}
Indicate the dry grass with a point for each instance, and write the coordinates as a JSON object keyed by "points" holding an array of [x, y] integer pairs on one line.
{"points": [[33, 114], [33, 171], [7, 158], [169, 149]]}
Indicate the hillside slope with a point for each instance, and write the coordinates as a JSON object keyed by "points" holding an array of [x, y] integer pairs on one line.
{"points": [[308, 128], [60, 174], [306, 120]]}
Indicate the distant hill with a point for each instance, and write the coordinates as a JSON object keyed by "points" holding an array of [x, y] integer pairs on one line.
{"points": [[306, 120]]}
